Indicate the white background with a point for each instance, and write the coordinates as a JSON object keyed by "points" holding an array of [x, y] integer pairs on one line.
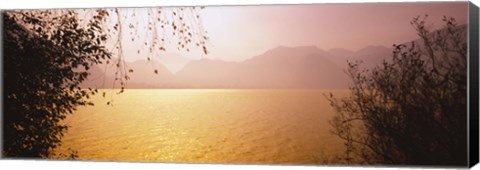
{"points": [[51, 165]]}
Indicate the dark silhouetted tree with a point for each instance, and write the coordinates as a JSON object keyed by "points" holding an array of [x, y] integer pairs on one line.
{"points": [[413, 109], [48, 53], [41, 84]]}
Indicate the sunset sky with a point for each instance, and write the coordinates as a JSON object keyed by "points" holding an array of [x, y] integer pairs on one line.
{"points": [[241, 32]]}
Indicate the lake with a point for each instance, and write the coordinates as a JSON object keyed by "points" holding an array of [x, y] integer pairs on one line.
{"points": [[206, 126]]}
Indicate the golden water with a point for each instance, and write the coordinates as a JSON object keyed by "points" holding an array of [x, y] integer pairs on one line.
{"points": [[206, 126]]}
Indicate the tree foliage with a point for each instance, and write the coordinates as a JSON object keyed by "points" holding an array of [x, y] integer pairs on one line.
{"points": [[155, 29], [413, 109], [41, 84], [48, 53]]}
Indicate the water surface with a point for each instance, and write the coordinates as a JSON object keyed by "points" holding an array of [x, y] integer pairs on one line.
{"points": [[206, 126]]}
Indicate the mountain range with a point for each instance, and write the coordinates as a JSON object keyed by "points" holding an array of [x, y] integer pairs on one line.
{"points": [[303, 67]]}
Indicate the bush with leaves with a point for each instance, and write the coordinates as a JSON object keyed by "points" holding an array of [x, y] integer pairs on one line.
{"points": [[411, 110]]}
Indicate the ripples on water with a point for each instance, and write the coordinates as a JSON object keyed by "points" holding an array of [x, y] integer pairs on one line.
{"points": [[206, 126]]}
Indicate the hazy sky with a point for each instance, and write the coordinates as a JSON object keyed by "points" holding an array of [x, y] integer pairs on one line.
{"points": [[240, 32]]}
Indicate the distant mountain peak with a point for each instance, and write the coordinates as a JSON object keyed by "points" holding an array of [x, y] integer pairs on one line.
{"points": [[339, 49], [341, 52], [293, 50], [307, 47], [373, 47]]}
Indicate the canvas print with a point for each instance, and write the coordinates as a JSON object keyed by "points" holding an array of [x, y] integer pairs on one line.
{"points": [[311, 84]]}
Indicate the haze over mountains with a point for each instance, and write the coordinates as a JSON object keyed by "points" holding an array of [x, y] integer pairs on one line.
{"points": [[303, 67], [281, 67]]}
